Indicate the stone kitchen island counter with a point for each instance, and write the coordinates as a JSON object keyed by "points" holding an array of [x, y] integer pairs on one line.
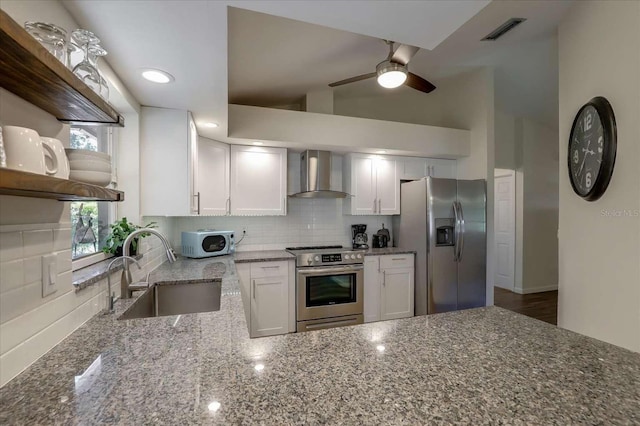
{"points": [[480, 366]]}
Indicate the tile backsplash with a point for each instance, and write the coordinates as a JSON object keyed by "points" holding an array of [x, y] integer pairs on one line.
{"points": [[308, 222]]}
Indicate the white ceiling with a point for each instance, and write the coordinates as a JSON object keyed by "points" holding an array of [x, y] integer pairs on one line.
{"points": [[189, 40]]}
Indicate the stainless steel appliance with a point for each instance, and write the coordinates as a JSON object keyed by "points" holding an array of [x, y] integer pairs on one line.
{"points": [[315, 176], [381, 238], [207, 243], [329, 287], [444, 221], [359, 237]]}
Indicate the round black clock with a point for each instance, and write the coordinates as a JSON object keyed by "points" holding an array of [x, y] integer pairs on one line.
{"points": [[592, 149]]}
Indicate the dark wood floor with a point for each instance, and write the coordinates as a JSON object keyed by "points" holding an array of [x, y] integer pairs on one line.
{"points": [[543, 306]]}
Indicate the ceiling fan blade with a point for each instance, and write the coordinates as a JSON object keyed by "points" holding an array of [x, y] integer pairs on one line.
{"points": [[404, 53], [419, 83], [353, 79]]}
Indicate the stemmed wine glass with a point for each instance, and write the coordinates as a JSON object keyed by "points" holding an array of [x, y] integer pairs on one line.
{"points": [[94, 52], [87, 72]]}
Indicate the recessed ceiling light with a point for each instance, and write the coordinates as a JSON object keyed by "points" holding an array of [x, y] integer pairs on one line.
{"points": [[157, 76], [211, 125], [381, 151], [258, 143]]}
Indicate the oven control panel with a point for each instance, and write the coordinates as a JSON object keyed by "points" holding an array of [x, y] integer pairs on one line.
{"points": [[330, 258]]}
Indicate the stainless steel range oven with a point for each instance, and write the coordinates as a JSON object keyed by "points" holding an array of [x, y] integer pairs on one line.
{"points": [[329, 287]]}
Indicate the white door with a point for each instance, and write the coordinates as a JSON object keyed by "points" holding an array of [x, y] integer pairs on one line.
{"points": [[397, 293], [258, 181], [269, 306], [505, 229], [213, 178], [387, 187], [363, 185], [371, 288]]}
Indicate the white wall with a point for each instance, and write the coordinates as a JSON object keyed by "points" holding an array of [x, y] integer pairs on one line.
{"points": [[599, 289], [538, 169]]}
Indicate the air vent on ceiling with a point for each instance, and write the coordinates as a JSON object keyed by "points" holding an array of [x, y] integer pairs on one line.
{"points": [[504, 28]]}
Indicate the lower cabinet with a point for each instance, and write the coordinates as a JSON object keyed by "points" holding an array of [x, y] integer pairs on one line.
{"points": [[388, 287], [268, 294]]}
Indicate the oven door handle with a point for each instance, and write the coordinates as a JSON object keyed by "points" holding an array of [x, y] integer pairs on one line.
{"points": [[333, 270]]}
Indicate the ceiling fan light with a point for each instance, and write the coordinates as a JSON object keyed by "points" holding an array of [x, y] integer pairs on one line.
{"points": [[391, 74], [392, 79]]}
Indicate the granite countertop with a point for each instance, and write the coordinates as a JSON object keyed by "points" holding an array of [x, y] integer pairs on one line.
{"points": [[262, 256], [388, 250], [479, 366]]}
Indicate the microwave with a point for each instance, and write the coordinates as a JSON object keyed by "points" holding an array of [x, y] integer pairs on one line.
{"points": [[207, 243]]}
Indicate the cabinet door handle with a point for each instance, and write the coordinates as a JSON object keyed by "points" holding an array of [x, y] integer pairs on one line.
{"points": [[285, 205], [398, 258], [228, 206], [384, 278], [379, 205], [270, 267], [374, 205], [254, 289], [197, 195]]}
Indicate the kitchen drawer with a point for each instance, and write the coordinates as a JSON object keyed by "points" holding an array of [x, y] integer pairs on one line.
{"points": [[396, 261], [269, 269]]}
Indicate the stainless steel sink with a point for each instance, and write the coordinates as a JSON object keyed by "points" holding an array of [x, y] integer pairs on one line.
{"points": [[175, 299]]}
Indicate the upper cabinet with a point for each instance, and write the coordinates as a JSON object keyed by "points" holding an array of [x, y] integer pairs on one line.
{"points": [[374, 185], [28, 70], [167, 150], [212, 182], [413, 168], [258, 181]]}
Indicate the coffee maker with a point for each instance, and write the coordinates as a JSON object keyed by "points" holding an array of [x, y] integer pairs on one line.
{"points": [[359, 236]]}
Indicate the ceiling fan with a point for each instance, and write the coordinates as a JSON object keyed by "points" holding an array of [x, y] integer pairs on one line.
{"points": [[393, 71]]}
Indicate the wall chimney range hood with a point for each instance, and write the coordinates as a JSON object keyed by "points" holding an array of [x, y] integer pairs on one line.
{"points": [[315, 176]]}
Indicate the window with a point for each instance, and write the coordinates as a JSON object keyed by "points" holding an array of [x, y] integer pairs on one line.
{"points": [[90, 219]]}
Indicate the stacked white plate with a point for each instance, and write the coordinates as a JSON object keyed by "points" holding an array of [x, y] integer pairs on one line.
{"points": [[89, 166]]}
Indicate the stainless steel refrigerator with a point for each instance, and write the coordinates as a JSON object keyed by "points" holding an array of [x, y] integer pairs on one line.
{"points": [[444, 221]]}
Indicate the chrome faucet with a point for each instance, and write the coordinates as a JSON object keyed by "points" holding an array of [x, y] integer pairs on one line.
{"points": [[111, 298], [126, 291]]}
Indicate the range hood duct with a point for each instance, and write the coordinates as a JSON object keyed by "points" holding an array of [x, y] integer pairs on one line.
{"points": [[315, 176]]}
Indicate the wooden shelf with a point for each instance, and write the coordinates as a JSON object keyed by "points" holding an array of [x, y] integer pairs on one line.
{"points": [[23, 184], [28, 70]]}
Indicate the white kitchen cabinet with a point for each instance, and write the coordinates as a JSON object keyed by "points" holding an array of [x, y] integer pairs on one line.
{"points": [[258, 181], [374, 185], [167, 149], [441, 168], [413, 168], [396, 299], [371, 288], [389, 287], [268, 295], [212, 183]]}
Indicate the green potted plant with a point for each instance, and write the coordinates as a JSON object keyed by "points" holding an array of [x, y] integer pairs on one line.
{"points": [[120, 230]]}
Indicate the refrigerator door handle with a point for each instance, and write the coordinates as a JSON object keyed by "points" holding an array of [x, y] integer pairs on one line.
{"points": [[456, 231], [461, 232]]}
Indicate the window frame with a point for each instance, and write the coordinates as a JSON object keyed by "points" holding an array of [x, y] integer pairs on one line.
{"points": [[90, 259]]}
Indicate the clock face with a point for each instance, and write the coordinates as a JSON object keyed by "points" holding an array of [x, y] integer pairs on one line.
{"points": [[587, 147], [592, 149]]}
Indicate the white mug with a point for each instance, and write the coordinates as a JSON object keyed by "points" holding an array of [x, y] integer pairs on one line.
{"points": [[25, 151], [60, 158]]}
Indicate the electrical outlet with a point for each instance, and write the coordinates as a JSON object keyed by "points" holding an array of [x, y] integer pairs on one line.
{"points": [[49, 274]]}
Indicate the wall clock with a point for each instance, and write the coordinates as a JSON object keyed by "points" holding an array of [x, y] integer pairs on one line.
{"points": [[592, 149]]}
